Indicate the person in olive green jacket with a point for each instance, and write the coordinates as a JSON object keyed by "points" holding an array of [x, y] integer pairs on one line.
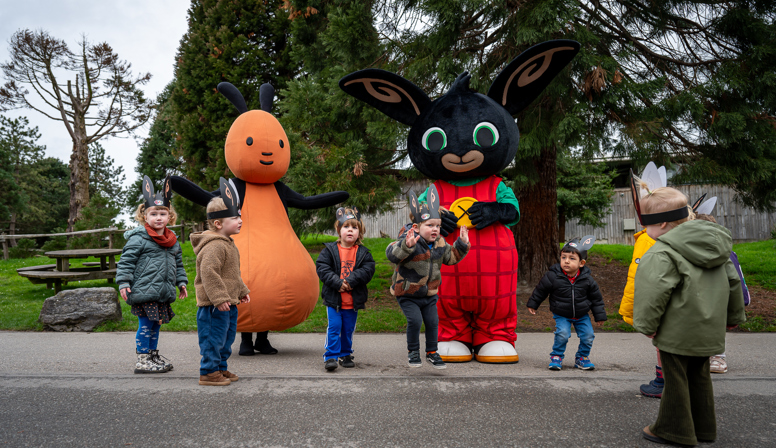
{"points": [[687, 292]]}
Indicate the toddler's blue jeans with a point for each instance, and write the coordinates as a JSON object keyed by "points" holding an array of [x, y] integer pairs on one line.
{"points": [[147, 337], [216, 331], [584, 329], [339, 334]]}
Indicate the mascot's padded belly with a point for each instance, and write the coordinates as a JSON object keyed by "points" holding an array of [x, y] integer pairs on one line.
{"points": [[274, 264], [477, 301]]}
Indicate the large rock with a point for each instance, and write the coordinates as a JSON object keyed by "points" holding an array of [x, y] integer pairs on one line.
{"points": [[80, 309]]}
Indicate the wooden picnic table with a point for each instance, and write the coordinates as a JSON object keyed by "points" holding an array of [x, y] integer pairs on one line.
{"points": [[107, 257], [55, 275]]}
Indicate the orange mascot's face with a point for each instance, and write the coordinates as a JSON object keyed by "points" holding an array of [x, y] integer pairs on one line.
{"points": [[257, 149]]}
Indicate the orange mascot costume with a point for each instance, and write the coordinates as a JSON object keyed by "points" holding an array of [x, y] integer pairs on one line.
{"points": [[275, 265]]}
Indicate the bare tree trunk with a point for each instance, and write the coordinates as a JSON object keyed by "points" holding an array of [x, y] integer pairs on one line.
{"points": [[536, 236], [79, 181], [561, 224]]}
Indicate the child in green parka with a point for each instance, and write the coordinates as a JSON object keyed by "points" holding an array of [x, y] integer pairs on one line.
{"points": [[150, 269], [687, 292]]}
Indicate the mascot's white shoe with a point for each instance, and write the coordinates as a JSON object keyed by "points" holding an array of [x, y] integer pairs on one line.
{"points": [[454, 351], [499, 352]]}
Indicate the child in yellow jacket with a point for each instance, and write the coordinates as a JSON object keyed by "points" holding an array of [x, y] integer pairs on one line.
{"points": [[640, 247]]}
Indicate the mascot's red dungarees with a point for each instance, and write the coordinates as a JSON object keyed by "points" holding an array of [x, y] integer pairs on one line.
{"points": [[467, 138], [477, 296]]}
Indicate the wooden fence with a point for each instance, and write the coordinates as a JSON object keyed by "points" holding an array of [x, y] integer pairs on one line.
{"points": [[5, 239], [744, 223]]}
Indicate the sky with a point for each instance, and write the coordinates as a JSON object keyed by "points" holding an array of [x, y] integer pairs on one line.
{"points": [[145, 33]]}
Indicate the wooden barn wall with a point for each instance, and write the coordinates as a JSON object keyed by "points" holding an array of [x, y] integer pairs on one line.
{"points": [[744, 223]]}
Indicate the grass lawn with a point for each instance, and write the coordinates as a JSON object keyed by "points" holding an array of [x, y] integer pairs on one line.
{"points": [[21, 301]]}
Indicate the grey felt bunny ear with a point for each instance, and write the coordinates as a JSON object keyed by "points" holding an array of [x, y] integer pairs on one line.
{"points": [[414, 206], [586, 242], [432, 199], [231, 200], [167, 190], [148, 191]]}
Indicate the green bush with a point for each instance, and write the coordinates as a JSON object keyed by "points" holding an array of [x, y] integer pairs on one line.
{"points": [[55, 242], [25, 248]]}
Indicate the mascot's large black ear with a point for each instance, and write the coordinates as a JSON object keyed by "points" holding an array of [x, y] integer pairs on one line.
{"points": [[233, 95], [266, 97], [530, 73], [387, 92]]}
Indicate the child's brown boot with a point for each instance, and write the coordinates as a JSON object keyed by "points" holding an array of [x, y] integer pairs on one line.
{"points": [[230, 376], [213, 379]]}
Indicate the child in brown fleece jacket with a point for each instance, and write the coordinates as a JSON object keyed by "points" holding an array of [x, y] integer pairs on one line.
{"points": [[219, 289]]}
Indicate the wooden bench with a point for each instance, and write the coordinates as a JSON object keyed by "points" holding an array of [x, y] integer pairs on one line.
{"points": [[53, 278], [43, 267]]}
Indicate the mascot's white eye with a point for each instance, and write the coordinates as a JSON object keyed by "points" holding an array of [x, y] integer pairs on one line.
{"points": [[485, 135], [434, 139]]}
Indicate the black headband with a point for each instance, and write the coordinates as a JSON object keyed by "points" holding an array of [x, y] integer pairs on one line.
{"points": [[669, 216], [231, 200]]}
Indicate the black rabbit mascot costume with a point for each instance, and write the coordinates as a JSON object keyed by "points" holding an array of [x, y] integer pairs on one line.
{"points": [[463, 139]]}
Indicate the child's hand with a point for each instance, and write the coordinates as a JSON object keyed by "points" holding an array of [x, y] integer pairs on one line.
{"points": [[124, 293], [246, 299], [346, 285], [184, 293], [464, 235], [651, 336], [342, 287], [599, 323], [530, 310], [223, 307], [411, 238]]}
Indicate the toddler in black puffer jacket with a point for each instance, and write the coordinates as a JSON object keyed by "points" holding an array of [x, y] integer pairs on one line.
{"points": [[344, 267], [573, 294]]}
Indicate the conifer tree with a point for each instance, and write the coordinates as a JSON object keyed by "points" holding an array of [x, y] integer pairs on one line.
{"points": [[244, 43], [337, 143]]}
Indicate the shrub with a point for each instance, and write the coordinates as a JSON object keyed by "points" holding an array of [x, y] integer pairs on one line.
{"points": [[25, 248]]}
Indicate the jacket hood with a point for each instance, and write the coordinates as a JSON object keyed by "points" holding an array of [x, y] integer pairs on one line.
{"points": [[702, 243], [139, 230], [200, 239]]}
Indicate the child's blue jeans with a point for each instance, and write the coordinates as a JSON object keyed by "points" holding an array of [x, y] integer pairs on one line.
{"points": [[584, 329], [216, 331], [147, 336], [339, 334]]}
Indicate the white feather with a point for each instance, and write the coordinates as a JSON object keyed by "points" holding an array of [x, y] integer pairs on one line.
{"points": [[707, 208]]}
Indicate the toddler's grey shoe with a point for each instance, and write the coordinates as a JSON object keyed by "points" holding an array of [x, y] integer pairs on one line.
{"points": [[347, 361], [414, 358], [435, 360], [330, 364]]}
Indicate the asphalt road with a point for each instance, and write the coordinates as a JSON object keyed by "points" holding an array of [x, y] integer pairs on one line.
{"points": [[78, 390]]}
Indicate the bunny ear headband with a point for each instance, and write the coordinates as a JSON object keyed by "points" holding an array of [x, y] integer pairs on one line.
{"points": [[581, 245], [231, 200], [424, 212], [707, 208], [343, 216], [651, 179], [160, 199]]}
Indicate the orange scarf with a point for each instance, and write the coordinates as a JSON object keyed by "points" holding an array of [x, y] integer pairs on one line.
{"points": [[168, 239]]}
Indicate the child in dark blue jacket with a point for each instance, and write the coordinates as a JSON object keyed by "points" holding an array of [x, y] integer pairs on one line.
{"points": [[345, 267]]}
